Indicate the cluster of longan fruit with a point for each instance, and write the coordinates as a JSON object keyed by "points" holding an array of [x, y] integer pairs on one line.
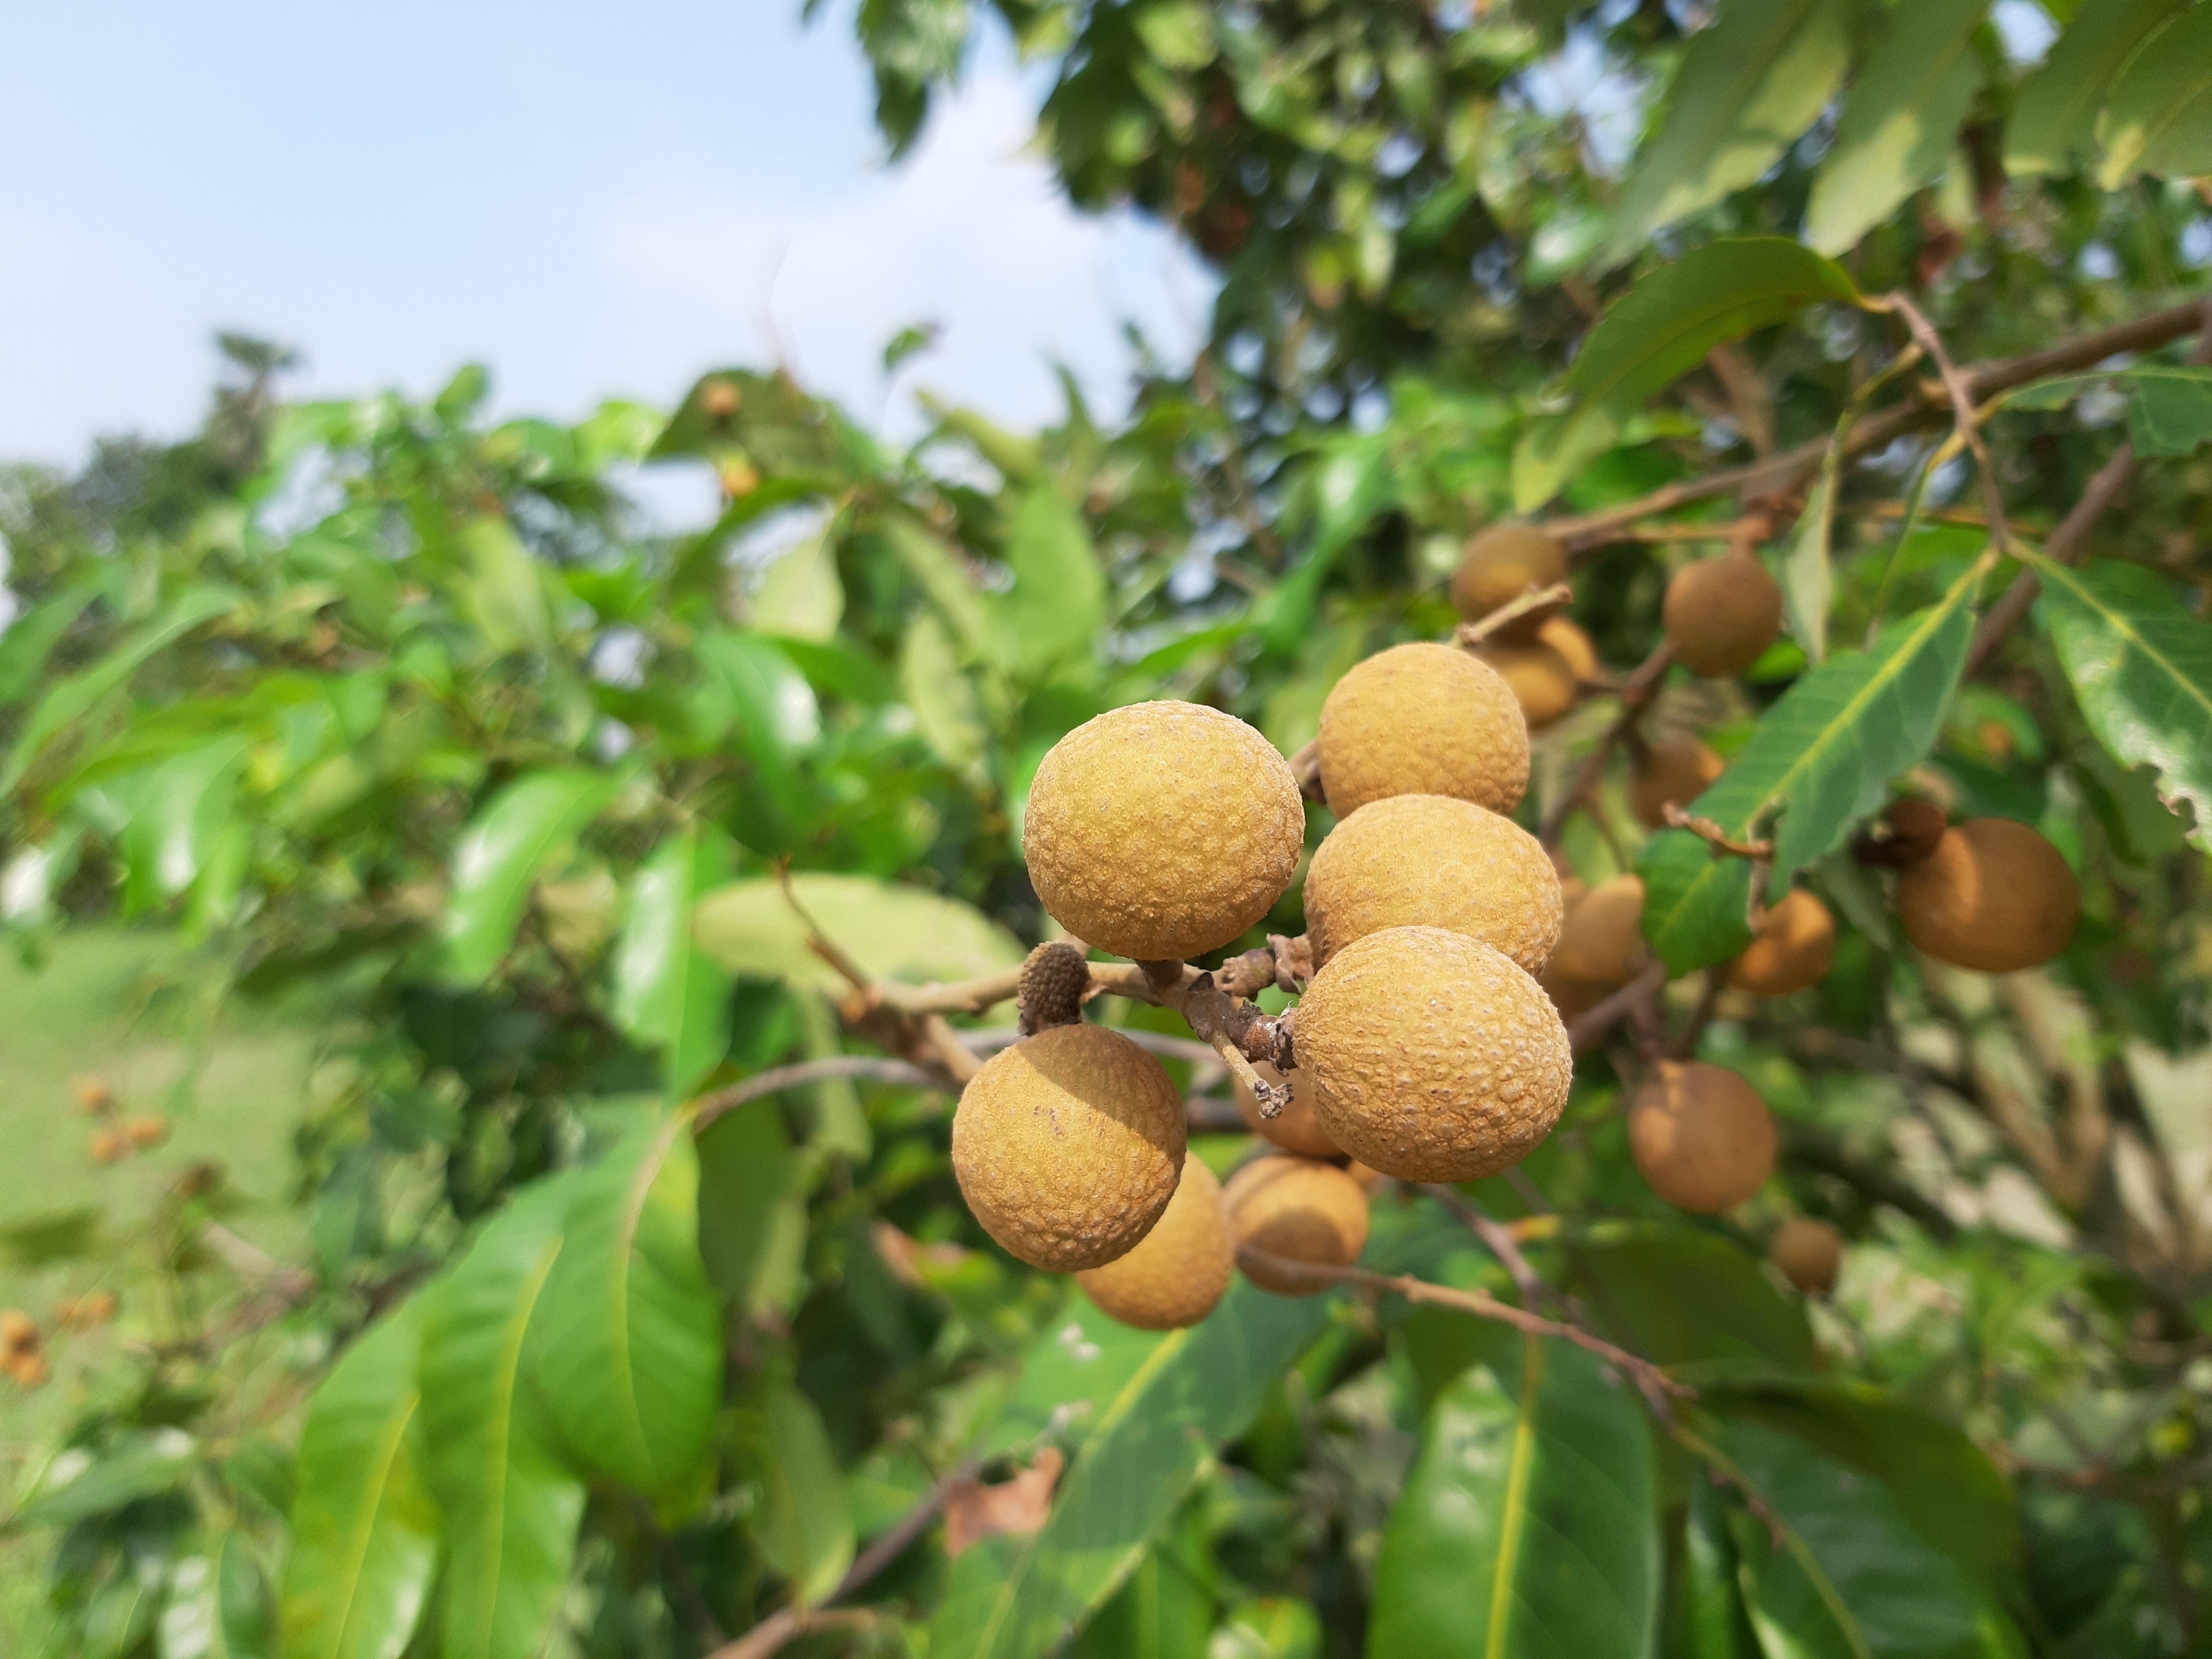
{"points": [[116, 1137]]}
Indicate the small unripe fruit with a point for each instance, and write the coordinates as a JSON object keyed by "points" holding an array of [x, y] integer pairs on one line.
{"points": [[1162, 830], [1300, 1211], [1295, 1128], [1809, 1253], [1432, 1057], [1068, 1146], [1677, 771], [1722, 614], [1702, 1138], [1433, 861], [1795, 947], [1541, 677], [1994, 896], [1422, 720], [1600, 944], [1178, 1270], [1502, 563]]}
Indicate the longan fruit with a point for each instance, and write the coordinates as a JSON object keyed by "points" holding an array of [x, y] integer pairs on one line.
{"points": [[1906, 833], [1571, 642], [1677, 771], [1422, 720], [19, 1331], [1720, 615], [1541, 677], [1994, 896], [1300, 1210], [1600, 944], [146, 1132], [1162, 830], [1295, 1128], [1809, 1253], [1177, 1271], [109, 1146], [1501, 564], [1434, 861], [1795, 947], [1702, 1138], [1068, 1145], [1432, 1055], [93, 1096]]}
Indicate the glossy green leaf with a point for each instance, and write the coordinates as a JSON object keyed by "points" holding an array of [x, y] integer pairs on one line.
{"points": [[511, 1507], [504, 588], [499, 855], [1059, 597], [770, 697], [2170, 409], [30, 639], [1145, 1412], [1269, 1627], [806, 1515], [1808, 574], [2141, 663], [1706, 1618], [666, 992], [1529, 1525], [2053, 126], [364, 1526], [752, 1216], [893, 932], [1821, 758], [627, 1343], [218, 1606], [2158, 117], [1747, 89], [182, 808], [1163, 1612], [801, 594], [940, 573], [1679, 1294], [946, 711], [1900, 120], [137, 1466]]}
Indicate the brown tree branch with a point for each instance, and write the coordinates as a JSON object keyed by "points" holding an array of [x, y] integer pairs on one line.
{"points": [[1594, 1022], [1470, 635], [1964, 414], [1637, 694]]}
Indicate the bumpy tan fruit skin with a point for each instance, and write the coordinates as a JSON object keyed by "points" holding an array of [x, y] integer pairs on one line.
{"points": [[1295, 1128], [1162, 830], [1431, 860], [1422, 720], [1809, 1253], [1541, 677], [1702, 1138], [1600, 944], [1432, 1057], [1502, 563], [1722, 614], [1679, 770], [1795, 947], [1299, 1210], [1994, 896], [1068, 1145], [1178, 1270]]}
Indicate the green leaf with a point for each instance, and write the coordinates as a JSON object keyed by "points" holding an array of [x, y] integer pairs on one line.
{"points": [[1059, 598], [1706, 1620], [1808, 578], [364, 1527], [34, 1241], [2053, 127], [511, 1509], [2141, 663], [139, 1466], [503, 588], [2158, 118], [893, 932], [1822, 757], [31, 638], [182, 809], [1269, 1627], [2169, 412], [806, 1515], [940, 574], [1529, 1525], [800, 593], [1146, 1411], [666, 993], [946, 711], [1163, 1612], [770, 697], [218, 1606], [1747, 87], [627, 1342], [499, 855], [1679, 1294], [752, 1215], [1900, 120]]}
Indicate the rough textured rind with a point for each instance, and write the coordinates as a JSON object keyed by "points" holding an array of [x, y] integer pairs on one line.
{"points": [[1795, 947], [1702, 1138], [1433, 861], [1679, 770], [1432, 1057], [1422, 720], [1295, 1128], [1501, 564], [1300, 1210], [1722, 614], [1994, 896], [1600, 944], [1808, 1253], [1178, 1270], [1541, 677], [1068, 1145], [1162, 830]]}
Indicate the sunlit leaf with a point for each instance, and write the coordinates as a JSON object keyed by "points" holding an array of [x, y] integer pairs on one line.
{"points": [[666, 992], [499, 855], [504, 588], [801, 594], [893, 932], [2053, 127], [946, 710], [2158, 117], [218, 1606], [1059, 587]]}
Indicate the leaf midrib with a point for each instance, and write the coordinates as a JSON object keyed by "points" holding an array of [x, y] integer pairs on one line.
{"points": [[510, 1368], [634, 1200], [365, 1529], [2120, 624], [1514, 1520]]}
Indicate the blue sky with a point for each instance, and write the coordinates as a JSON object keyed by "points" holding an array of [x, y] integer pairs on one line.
{"points": [[594, 201]]}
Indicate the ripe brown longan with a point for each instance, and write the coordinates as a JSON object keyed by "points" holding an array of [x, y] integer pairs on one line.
{"points": [[1677, 771], [1422, 720], [1994, 896], [1541, 678], [1702, 1138], [1602, 942], [1722, 614], [1300, 1211], [1809, 1253], [145, 1132], [1501, 564], [1295, 1128], [1177, 1272], [1162, 830], [109, 1146], [1432, 860], [1795, 947], [1432, 1057], [1068, 1145]]}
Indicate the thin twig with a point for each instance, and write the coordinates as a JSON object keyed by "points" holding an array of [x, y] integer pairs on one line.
{"points": [[1595, 1021], [864, 1067], [1473, 634], [1716, 837], [1499, 1242], [1964, 414]]}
